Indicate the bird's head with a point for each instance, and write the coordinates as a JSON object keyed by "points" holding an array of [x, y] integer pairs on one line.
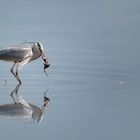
{"points": [[46, 62]]}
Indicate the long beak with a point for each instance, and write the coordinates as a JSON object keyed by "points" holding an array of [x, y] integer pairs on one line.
{"points": [[46, 65], [46, 62], [45, 72]]}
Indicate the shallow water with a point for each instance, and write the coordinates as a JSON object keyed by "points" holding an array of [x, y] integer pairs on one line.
{"points": [[93, 81]]}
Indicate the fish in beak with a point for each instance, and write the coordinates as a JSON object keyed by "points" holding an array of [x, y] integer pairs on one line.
{"points": [[46, 65]]}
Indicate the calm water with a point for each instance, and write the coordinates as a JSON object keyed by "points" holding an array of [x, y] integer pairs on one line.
{"points": [[93, 81]]}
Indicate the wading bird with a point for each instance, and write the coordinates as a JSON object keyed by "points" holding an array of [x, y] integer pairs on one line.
{"points": [[22, 54]]}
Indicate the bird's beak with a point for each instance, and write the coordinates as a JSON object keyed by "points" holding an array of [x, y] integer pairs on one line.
{"points": [[46, 100], [46, 65]]}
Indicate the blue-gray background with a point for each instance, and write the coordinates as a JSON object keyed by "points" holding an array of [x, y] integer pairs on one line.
{"points": [[94, 78]]}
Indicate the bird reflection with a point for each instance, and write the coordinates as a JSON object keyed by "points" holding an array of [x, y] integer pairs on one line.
{"points": [[22, 110]]}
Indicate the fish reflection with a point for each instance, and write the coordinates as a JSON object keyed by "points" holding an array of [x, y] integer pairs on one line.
{"points": [[22, 110]]}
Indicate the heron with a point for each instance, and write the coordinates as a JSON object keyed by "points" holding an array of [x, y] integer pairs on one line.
{"points": [[23, 53]]}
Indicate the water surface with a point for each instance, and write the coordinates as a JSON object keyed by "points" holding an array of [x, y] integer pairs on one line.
{"points": [[93, 82]]}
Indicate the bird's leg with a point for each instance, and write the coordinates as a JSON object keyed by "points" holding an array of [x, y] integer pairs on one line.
{"points": [[12, 70], [15, 99], [16, 93], [16, 74], [12, 94]]}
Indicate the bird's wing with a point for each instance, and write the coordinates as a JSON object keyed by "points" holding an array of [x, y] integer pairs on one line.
{"points": [[16, 53]]}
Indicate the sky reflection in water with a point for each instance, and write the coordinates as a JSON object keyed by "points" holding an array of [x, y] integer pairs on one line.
{"points": [[93, 48]]}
